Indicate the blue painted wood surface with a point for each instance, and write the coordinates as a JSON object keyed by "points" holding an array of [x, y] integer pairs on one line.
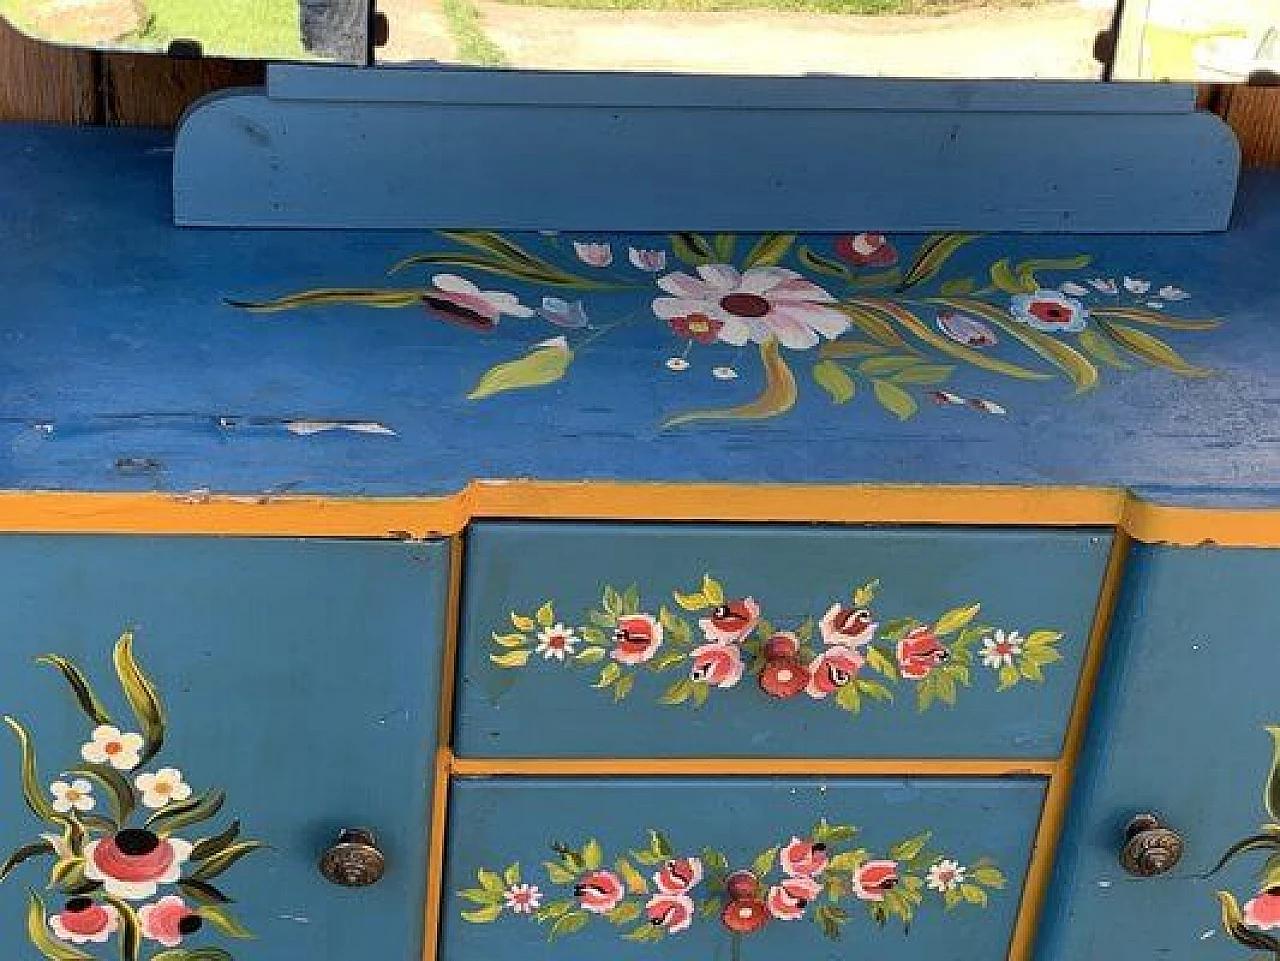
{"points": [[739, 817], [498, 150], [1178, 728], [1025, 580], [124, 367], [301, 678]]}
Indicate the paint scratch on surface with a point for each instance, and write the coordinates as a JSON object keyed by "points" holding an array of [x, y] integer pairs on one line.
{"points": [[305, 428], [296, 918], [1206, 935]]}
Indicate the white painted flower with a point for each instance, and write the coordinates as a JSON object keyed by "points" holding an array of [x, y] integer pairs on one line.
{"points": [[523, 898], [724, 373], [1104, 285], [164, 786], [1170, 292], [650, 261], [458, 300], [999, 650], [1136, 285], [757, 305], [946, 875], [74, 796], [556, 642], [593, 255], [1072, 289], [108, 745], [677, 363]]}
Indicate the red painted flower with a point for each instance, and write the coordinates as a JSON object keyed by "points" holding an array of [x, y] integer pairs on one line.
{"points": [[1263, 912], [849, 626], [698, 327], [742, 886], [134, 863], [788, 899], [168, 921], [731, 621], [599, 892], [1049, 310], [782, 645], [803, 859], [919, 653], [671, 911], [678, 875], [833, 669], [636, 638], [83, 921], [874, 879], [867, 250], [784, 677], [745, 915], [719, 665]]}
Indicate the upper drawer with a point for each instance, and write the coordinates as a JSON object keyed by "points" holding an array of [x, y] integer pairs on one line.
{"points": [[604, 640]]}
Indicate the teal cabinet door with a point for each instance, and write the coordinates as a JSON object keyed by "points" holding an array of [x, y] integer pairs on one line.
{"points": [[191, 722], [773, 641], [748, 869], [1179, 730]]}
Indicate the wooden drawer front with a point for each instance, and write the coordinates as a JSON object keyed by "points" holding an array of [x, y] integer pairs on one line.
{"points": [[615, 867], [299, 680], [931, 683]]}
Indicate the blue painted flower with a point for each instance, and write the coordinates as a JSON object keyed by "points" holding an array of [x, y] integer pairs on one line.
{"points": [[562, 313], [967, 330], [1049, 310]]}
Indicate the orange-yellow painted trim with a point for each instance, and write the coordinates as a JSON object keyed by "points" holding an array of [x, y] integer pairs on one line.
{"points": [[1058, 796], [435, 857], [56, 512], [729, 767]]}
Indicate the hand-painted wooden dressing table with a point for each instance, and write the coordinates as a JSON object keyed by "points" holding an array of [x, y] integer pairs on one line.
{"points": [[756, 584]]}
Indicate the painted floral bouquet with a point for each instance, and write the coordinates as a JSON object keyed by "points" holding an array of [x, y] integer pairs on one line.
{"points": [[127, 873], [1250, 925]]}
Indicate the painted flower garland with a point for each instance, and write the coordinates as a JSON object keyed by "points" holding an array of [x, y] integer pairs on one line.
{"points": [[1250, 925], [846, 656], [819, 876], [875, 323], [105, 865]]}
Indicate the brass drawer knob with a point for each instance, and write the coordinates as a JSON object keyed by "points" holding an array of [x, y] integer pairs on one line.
{"points": [[1150, 847], [355, 861]]}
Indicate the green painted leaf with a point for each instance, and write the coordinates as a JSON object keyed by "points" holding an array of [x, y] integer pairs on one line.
{"points": [[222, 919], [821, 264], [701, 691], [570, 923], [545, 615], [887, 364], [484, 915], [608, 674], [880, 663], [490, 880], [207, 847], [224, 859], [693, 249], [80, 687], [130, 930], [1153, 318], [42, 938], [1151, 349], [558, 873], [37, 849], [537, 272], [178, 815], [1099, 348], [1233, 924], [960, 287], [1027, 269], [590, 655], [592, 854], [385, 299], [1070, 361], [974, 894], [894, 399], [677, 693], [1271, 799], [1006, 279], [517, 658], [1009, 676], [522, 623], [142, 696], [953, 620], [494, 244], [725, 245], [545, 364], [634, 880], [849, 698], [770, 250], [33, 789], [624, 913], [924, 374], [645, 932], [555, 909], [659, 844], [204, 893], [833, 378], [119, 794], [778, 396], [932, 256], [193, 954], [991, 876], [764, 862], [871, 321], [509, 640]]}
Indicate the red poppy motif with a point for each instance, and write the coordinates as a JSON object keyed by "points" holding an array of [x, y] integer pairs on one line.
{"points": [[874, 879], [919, 653], [788, 899], [678, 875], [784, 677], [599, 892], [745, 915], [833, 669], [636, 639], [732, 621], [803, 858], [133, 863], [867, 250], [719, 665], [83, 921], [697, 327], [671, 911], [168, 921]]}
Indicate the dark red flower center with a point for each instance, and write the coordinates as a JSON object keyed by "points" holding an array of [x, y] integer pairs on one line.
{"points": [[136, 843], [1051, 313], [745, 305]]}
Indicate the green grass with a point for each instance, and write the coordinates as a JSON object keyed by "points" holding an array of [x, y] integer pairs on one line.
{"points": [[859, 7], [474, 45], [266, 29]]}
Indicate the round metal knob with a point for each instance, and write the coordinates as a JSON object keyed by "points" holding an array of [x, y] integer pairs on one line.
{"points": [[1150, 848], [355, 861]]}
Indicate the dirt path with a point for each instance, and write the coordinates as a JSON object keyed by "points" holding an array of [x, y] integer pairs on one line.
{"points": [[1051, 41]]}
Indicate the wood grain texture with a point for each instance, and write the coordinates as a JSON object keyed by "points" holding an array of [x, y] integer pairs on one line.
{"points": [[45, 83], [147, 90], [1254, 114]]}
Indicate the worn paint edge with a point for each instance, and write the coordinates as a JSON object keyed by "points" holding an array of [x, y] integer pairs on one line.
{"points": [[730, 767], [1058, 796], [59, 512]]}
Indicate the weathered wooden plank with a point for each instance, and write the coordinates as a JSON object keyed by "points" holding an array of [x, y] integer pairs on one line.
{"points": [[148, 90], [1254, 114], [45, 83]]}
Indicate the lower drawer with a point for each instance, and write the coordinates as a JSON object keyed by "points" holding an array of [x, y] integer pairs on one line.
{"points": [[752, 868]]}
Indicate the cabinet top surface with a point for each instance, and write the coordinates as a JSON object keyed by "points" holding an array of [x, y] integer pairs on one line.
{"points": [[134, 357]]}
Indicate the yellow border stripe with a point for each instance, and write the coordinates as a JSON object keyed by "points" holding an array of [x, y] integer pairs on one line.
{"points": [[729, 767], [55, 512]]}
